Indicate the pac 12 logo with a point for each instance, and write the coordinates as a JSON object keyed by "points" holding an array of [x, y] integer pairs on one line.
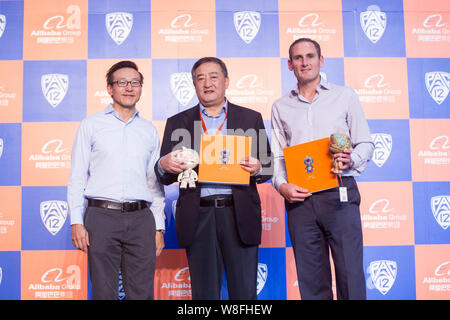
{"points": [[262, 273], [2, 24], [373, 23], [247, 24], [382, 275], [54, 87], [53, 215], [119, 25], [182, 87], [440, 206], [383, 148], [438, 85]]}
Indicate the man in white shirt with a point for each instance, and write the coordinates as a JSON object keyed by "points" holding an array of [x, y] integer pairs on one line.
{"points": [[318, 222], [113, 157]]}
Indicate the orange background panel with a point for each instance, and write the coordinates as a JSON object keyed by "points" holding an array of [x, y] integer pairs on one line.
{"points": [[272, 212], [430, 149], [54, 275], [62, 22], [387, 216], [427, 28], [254, 83], [320, 20], [46, 152], [432, 272], [10, 218], [11, 91], [172, 279], [381, 85], [183, 29]]}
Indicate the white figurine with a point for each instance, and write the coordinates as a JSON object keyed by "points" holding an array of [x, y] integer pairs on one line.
{"points": [[188, 177]]}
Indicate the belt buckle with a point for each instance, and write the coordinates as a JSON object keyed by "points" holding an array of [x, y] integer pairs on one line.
{"points": [[126, 206], [217, 201]]}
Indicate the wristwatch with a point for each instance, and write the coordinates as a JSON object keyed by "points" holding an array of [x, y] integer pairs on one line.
{"points": [[161, 230]]}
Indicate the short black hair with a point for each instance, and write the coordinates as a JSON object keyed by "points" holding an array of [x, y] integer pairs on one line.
{"points": [[201, 61], [315, 43], [120, 65]]}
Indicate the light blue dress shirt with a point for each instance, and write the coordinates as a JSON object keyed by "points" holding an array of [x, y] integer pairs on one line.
{"points": [[212, 124], [114, 160]]}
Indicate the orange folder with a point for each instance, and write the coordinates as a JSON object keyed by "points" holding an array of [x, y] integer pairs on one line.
{"points": [[219, 159], [309, 164]]}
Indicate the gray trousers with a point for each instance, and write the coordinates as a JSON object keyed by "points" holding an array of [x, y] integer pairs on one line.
{"points": [[319, 224], [124, 241]]}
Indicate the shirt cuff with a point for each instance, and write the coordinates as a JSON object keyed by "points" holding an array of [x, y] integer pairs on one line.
{"points": [[159, 221], [160, 169], [76, 218]]}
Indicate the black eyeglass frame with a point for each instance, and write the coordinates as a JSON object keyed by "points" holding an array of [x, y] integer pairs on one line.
{"points": [[126, 82]]}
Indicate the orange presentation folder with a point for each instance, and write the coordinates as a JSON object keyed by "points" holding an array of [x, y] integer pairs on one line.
{"points": [[219, 159], [309, 164]]}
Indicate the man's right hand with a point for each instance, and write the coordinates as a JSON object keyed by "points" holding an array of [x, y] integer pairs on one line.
{"points": [[293, 193], [80, 237], [171, 163]]}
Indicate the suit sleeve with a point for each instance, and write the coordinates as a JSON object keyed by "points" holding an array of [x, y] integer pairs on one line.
{"points": [[166, 147]]}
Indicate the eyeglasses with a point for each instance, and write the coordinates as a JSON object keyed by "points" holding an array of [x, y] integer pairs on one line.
{"points": [[124, 83]]}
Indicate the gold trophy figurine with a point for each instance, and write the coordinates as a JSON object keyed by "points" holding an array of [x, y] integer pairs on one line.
{"points": [[338, 143]]}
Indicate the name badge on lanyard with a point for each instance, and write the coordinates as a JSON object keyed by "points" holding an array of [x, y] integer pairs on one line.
{"points": [[343, 194]]}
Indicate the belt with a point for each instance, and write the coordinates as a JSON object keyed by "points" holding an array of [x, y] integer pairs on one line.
{"points": [[122, 206], [216, 201]]}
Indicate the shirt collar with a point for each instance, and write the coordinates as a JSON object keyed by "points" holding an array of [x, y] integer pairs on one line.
{"points": [[324, 84], [109, 109], [222, 111]]}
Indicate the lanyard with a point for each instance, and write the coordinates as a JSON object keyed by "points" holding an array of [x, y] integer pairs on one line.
{"points": [[220, 128]]}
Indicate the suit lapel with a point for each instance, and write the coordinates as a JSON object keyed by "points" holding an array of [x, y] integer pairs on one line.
{"points": [[233, 117], [194, 127]]}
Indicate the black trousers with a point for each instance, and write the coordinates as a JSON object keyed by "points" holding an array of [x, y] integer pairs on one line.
{"points": [[124, 241], [217, 245], [321, 223]]}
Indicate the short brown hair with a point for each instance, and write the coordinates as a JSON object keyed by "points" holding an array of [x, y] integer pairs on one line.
{"points": [[315, 43], [120, 65]]}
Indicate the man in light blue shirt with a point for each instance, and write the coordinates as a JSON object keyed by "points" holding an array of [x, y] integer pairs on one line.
{"points": [[113, 157]]}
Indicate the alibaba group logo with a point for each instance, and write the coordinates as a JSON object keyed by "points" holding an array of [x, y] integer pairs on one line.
{"points": [[441, 142], [434, 21], [183, 275], [177, 22], [380, 206], [248, 81], [443, 269], [59, 22], [313, 17], [375, 80], [53, 146]]}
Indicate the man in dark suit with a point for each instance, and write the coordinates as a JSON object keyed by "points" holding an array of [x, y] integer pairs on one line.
{"points": [[219, 225]]}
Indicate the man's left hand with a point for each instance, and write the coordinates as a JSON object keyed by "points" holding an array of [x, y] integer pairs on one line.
{"points": [[344, 158], [159, 238]]}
